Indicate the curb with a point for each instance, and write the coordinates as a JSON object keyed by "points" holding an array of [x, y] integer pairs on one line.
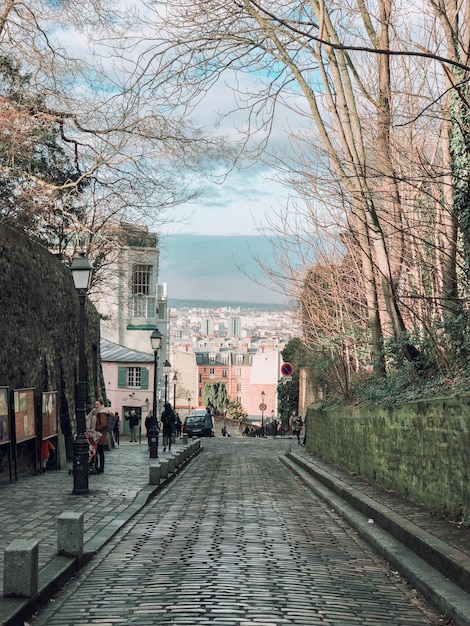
{"points": [[404, 545], [53, 576]]}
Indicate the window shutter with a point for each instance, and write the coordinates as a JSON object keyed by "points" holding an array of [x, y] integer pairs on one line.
{"points": [[144, 378], [122, 376]]}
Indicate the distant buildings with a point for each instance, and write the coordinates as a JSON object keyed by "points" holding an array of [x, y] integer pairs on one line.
{"points": [[236, 346]]}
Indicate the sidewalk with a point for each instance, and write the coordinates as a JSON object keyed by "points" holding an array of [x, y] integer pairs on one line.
{"points": [[431, 553], [30, 507]]}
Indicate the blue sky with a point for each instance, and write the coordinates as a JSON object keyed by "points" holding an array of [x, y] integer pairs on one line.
{"points": [[216, 267]]}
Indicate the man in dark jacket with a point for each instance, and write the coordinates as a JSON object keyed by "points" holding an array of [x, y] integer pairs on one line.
{"points": [[168, 420]]}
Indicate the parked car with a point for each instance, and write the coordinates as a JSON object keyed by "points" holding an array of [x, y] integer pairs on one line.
{"points": [[194, 426]]}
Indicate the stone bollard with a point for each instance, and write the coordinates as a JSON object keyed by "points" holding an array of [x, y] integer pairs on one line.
{"points": [[154, 474], [20, 569], [164, 468], [178, 459], [70, 533], [171, 464], [185, 438]]}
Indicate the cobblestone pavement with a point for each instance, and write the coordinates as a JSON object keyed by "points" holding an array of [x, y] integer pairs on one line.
{"points": [[236, 540], [30, 507]]}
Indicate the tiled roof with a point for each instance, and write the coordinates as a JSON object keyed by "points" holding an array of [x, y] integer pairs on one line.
{"points": [[114, 352]]}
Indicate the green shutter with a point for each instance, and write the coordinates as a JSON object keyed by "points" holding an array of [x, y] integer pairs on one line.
{"points": [[144, 378], [122, 377]]}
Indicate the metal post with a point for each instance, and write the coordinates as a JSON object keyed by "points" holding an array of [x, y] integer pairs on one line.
{"points": [[81, 454], [153, 432]]}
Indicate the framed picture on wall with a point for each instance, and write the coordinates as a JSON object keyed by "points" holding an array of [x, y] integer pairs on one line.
{"points": [[25, 422], [5, 436], [49, 414]]}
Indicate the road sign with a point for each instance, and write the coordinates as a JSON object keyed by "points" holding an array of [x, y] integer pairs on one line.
{"points": [[262, 407], [287, 369]]}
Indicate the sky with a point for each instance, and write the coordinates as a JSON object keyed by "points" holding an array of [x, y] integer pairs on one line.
{"points": [[205, 243], [217, 267]]}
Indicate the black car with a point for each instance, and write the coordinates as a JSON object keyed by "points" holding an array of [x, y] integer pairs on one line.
{"points": [[194, 426]]}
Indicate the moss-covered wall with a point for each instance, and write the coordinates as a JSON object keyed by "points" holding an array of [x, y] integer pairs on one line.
{"points": [[39, 321], [420, 450]]}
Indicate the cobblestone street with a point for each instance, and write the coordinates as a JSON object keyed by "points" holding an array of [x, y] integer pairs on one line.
{"points": [[236, 540]]}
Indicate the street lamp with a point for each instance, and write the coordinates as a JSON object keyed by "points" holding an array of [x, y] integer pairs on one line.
{"points": [[82, 270], [175, 380], [166, 368], [263, 408], [155, 342]]}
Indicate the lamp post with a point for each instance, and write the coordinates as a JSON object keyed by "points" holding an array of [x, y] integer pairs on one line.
{"points": [[189, 406], [273, 423], [166, 368], [156, 342], [81, 270], [175, 380], [263, 409]]}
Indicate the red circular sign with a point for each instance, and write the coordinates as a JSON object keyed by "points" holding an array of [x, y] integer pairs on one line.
{"points": [[287, 369], [262, 407]]}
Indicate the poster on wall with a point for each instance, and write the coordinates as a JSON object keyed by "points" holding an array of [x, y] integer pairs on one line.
{"points": [[25, 423], [49, 414], [5, 436]]}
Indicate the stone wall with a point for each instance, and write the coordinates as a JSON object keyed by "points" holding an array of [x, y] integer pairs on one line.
{"points": [[39, 318], [420, 450]]}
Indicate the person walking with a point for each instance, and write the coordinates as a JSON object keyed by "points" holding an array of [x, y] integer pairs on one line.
{"points": [[116, 427], [179, 426], [208, 422], [297, 427], [102, 428], [133, 423], [150, 423], [168, 419]]}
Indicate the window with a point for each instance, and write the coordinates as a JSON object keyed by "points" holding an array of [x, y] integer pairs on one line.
{"points": [[142, 305], [239, 358], [133, 377], [211, 370], [141, 279], [239, 371], [239, 386], [224, 373]]}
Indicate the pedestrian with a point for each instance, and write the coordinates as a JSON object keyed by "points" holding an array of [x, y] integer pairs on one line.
{"points": [[179, 426], [47, 449], [297, 427], [102, 428], [110, 427], [133, 423], [246, 432], [208, 422], [91, 417], [168, 419], [151, 423], [116, 427]]}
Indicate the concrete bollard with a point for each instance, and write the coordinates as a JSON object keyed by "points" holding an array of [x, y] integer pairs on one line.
{"points": [[171, 464], [177, 459], [20, 569], [154, 474], [164, 468], [70, 526], [185, 438]]}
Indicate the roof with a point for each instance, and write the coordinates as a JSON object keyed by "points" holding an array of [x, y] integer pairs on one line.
{"points": [[114, 352]]}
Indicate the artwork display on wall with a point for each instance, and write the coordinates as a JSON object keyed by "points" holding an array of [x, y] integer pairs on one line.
{"points": [[5, 436], [25, 422], [49, 414]]}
